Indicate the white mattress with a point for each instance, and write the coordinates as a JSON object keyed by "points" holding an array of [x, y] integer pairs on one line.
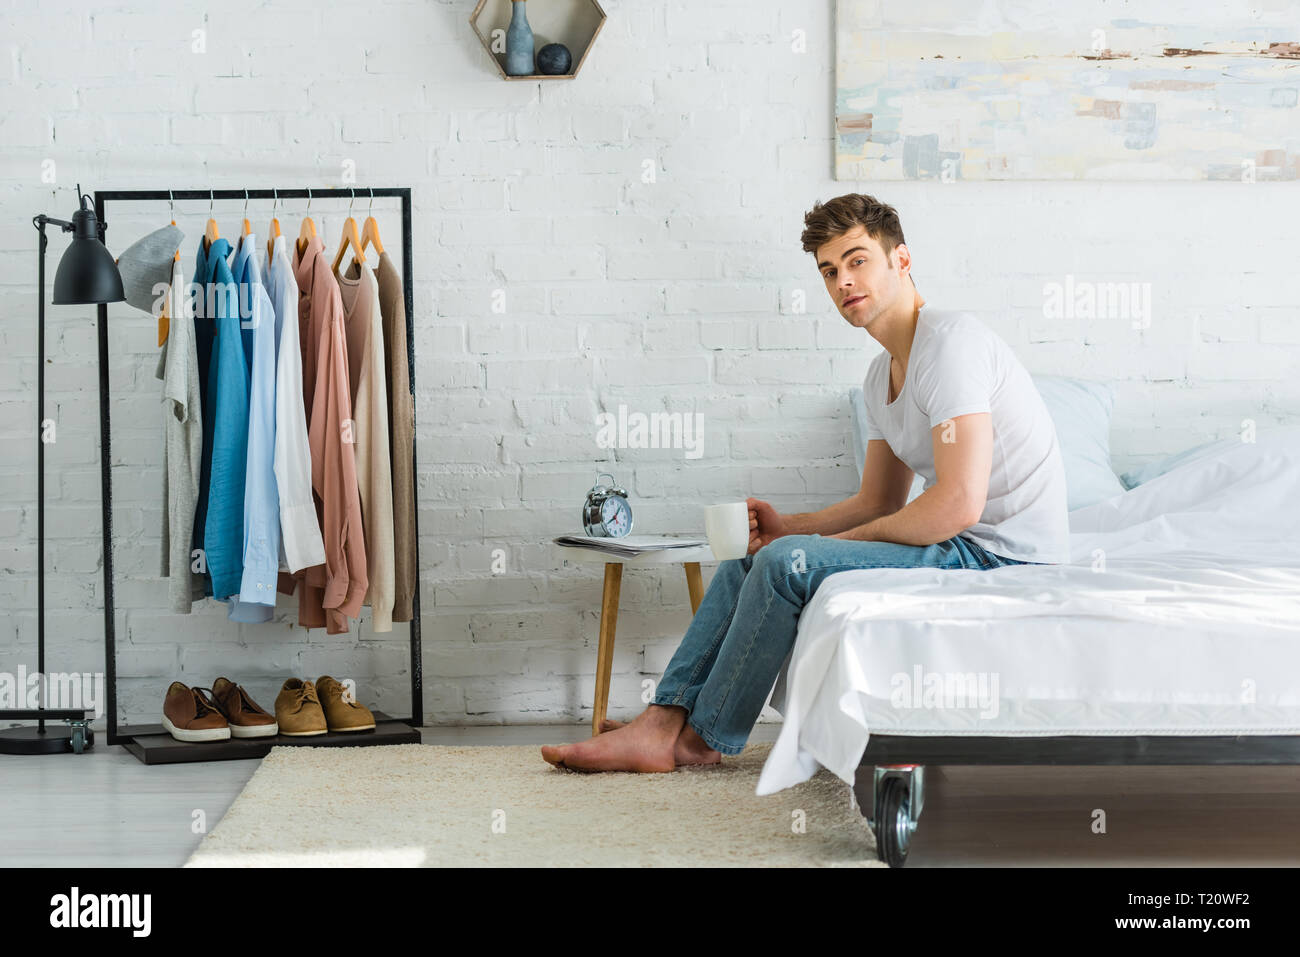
{"points": [[1179, 614]]}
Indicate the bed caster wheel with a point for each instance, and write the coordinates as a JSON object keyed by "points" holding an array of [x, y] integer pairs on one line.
{"points": [[899, 793], [81, 737]]}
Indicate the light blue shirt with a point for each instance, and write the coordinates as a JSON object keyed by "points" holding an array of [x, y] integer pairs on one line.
{"points": [[261, 546]]}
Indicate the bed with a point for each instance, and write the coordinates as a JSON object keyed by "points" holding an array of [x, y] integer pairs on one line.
{"points": [[1171, 637]]}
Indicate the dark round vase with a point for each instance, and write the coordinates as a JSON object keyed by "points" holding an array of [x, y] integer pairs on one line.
{"points": [[554, 59]]}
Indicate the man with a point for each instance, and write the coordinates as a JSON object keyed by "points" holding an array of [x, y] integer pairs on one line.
{"points": [[946, 399]]}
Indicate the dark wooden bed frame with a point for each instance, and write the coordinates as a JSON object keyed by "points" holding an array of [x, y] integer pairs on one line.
{"points": [[898, 765]]}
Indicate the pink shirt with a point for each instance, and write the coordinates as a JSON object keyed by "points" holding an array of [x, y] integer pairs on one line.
{"points": [[333, 592]]}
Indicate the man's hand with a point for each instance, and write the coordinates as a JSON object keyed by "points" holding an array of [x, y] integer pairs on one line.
{"points": [[765, 524]]}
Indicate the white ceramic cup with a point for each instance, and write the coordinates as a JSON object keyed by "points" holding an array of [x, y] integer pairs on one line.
{"points": [[727, 526]]}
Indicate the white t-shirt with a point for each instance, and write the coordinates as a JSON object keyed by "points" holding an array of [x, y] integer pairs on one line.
{"points": [[958, 365]]}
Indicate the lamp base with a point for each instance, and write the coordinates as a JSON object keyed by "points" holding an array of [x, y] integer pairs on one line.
{"points": [[55, 740]]}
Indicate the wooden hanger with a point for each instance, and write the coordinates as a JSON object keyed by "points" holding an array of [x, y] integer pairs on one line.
{"points": [[370, 231], [275, 227], [210, 234], [308, 230], [350, 238], [164, 320], [248, 227], [171, 203]]}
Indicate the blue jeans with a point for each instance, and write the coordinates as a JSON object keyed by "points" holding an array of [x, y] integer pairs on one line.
{"points": [[726, 665]]}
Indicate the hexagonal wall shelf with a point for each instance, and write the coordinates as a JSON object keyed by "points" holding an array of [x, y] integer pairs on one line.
{"points": [[574, 23]]}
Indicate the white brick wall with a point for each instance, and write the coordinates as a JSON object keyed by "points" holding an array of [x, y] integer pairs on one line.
{"points": [[675, 294]]}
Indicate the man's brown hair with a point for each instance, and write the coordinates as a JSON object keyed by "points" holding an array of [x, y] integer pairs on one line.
{"points": [[835, 217]]}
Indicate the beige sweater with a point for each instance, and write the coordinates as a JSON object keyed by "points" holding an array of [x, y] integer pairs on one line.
{"points": [[401, 426], [366, 361]]}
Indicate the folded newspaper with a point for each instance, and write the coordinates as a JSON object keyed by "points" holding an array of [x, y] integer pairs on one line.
{"points": [[629, 546]]}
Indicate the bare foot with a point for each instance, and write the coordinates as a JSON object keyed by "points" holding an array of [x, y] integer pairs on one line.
{"points": [[688, 749], [645, 745]]}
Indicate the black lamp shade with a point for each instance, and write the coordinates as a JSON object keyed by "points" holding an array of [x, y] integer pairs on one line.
{"points": [[87, 272]]}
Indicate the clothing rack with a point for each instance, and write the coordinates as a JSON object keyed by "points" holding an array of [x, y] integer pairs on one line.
{"points": [[246, 747]]}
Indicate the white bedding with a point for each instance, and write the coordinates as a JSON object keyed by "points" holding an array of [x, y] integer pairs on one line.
{"points": [[1178, 614]]}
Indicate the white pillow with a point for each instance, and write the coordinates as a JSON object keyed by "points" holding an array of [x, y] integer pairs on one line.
{"points": [[1145, 473], [1081, 410], [1134, 477]]}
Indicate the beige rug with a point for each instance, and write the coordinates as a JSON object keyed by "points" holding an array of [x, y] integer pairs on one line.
{"points": [[414, 805]]}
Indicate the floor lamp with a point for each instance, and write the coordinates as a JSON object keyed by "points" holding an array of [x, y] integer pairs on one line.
{"points": [[87, 274]]}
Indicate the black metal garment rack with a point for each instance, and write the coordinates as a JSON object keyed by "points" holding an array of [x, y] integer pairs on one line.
{"points": [[160, 752]]}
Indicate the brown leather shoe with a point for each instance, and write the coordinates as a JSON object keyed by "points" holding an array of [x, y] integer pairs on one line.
{"points": [[188, 715], [298, 710], [342, 713], [246, 719]]}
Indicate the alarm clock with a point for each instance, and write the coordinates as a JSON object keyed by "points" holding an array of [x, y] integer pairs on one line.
{"points": [[606, 512]]}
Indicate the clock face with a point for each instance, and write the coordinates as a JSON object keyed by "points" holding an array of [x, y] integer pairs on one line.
{"points": [[617, 516]]}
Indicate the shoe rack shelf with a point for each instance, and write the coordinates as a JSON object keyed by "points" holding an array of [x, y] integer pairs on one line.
{"points": [[152, 745]]}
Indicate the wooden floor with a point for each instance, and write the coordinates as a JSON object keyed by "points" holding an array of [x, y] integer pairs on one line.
{"points": [[105, 808]]}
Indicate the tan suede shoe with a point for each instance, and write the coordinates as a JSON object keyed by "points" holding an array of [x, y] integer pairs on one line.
{"points": [[342, 714], [246, 719], [298, 710], [188, 715]]}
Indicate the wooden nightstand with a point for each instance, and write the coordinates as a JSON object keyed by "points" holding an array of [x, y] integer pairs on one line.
{"points": [[688, 557]]}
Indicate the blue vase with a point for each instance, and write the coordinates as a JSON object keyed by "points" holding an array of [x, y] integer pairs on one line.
{"points": [[519, 42]]}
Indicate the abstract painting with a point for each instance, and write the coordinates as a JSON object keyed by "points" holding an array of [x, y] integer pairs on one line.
{"points": [[1089, 89]]}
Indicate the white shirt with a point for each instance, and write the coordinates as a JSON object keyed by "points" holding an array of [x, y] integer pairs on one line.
{"points": [[958, 366], [301, 544]]}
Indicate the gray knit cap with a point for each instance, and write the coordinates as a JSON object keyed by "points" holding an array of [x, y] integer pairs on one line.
{"points": [[146, 263]]}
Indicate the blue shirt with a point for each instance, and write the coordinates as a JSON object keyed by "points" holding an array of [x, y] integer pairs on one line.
{"points": [[226, 406], [261, 544], [203, 327]]}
